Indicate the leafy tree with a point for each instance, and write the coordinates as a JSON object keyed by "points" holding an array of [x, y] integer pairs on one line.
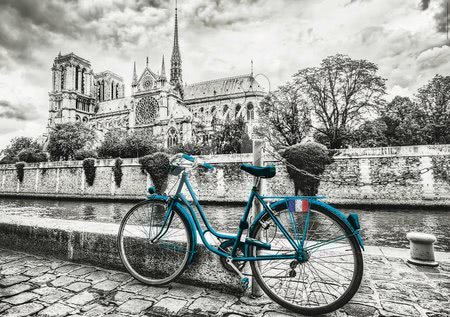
{"points": [[434, 99], [341, 91], [232, 138], [285, 118], [370, 134], [31, 155], [122, 144], [83, 154], [67, 138], [311, 157], [190, 148], [404, 121], [17, 145]]}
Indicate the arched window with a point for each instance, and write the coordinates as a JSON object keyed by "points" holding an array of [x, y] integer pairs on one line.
{"points": [[225, 109], [63, 75], [117, 90], [103, 90], [98, 91], [77, 118], [172, 138], [77, 76], [112, 90], [250, 112], [85, 119], [237, 109], [82, 80]]}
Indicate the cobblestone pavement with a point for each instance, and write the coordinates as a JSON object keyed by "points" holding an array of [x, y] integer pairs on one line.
{"points": [[37, 286]]}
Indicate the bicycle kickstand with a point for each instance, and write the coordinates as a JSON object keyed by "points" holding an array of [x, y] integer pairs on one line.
{"points": [[244, 280]]}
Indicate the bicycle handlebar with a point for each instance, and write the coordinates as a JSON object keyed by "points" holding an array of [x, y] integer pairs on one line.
{"points": [[195, 160]]}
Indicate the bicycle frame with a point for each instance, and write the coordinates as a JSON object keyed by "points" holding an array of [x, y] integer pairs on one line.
{"points": [[180, 197]]}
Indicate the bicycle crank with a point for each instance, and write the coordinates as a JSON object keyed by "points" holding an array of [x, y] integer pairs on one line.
{"points": [[245, 281]]}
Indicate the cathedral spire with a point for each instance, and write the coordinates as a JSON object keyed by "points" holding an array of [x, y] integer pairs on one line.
{"points": [[175, 61], [134, 83], [163, 69]]}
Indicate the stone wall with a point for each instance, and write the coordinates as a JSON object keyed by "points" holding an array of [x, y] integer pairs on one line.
{"points": [[227, 183]]}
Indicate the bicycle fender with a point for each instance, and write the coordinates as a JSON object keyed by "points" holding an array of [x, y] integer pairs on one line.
{"points": [[353, 217], [188, 218]]}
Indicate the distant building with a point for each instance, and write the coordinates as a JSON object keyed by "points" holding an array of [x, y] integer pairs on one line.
{"points": [[165, 108]]}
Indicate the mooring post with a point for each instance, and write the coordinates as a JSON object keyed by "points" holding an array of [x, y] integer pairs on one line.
{"points": [[258, 146]]}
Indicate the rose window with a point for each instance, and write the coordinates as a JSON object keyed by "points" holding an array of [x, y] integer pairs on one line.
{"points": [[146, 110]]}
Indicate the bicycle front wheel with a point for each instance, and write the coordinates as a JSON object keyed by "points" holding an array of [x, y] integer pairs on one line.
{"points": [[330, 273], [152, 250]]}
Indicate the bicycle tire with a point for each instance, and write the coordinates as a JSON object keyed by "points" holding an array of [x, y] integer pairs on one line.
{"points": [[309, 271], [154, 263]]}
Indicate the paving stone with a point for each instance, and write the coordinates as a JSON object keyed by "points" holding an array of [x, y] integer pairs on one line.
{"points": [[120, 297], [120, 277], [14, 289], [246, 309], [54, 296], [106, 286], [98, 310], [153, 291], [21, 298], [11, 280], [56, 264], [169, 306], [24, 310], [273, 314], [36, 271], [66, 268], [83, 271], [261, 300], [185, 291], [205, 304], [14, 270], [4, 306], [43, 279], [82, 298], [133, 287], [97, 276], [56, 310], [360, 310], [63, 281], [77, 286], [134, 306], [399, 309]]}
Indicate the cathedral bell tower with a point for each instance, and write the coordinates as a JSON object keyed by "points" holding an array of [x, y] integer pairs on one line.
{"points": [[176, 78]]}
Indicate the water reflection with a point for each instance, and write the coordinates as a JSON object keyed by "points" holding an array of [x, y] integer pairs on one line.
{"points": [[381, 227]]}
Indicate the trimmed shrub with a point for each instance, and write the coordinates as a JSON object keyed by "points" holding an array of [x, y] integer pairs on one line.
{"points": [[311, 157], [89, 170], [83, 154], [117, 171], [19, 170], [31, 155], [158, 166]]}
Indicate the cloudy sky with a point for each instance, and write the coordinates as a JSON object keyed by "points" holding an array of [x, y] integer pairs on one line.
{"points": [[218, 38]]}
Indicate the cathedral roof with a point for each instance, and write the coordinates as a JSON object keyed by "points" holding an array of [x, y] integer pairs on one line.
{"points": [[114, 105], [222, 86]]}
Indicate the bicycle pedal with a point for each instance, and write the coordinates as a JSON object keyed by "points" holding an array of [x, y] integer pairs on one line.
{"points": [[258, 243], [245, 283]]}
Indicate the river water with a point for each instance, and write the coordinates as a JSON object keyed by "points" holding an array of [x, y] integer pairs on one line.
{"points": [[380, 226]]}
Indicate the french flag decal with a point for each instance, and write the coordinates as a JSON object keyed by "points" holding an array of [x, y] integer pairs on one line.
{"points": [[297, 205]]}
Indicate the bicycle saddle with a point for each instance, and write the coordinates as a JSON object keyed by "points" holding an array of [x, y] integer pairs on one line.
{"points": [[259, 171]]}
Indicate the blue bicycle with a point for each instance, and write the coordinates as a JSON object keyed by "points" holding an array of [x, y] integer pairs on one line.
{"points": [[305, 254]]}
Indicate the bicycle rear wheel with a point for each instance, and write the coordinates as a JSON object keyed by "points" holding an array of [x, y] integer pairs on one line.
{"points": [[152, 252], [329, 277]]}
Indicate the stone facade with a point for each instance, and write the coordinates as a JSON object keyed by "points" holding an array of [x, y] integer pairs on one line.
{"points": [[228, 183], [165, 108]]}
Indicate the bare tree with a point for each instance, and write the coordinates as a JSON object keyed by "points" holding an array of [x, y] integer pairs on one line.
{"points": [[284, 117], [342, 91]]}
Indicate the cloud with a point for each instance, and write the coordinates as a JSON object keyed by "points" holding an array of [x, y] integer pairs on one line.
{"points": [[21, 112]]}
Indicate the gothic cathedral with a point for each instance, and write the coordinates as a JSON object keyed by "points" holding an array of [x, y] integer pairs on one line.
{"points": [[164, 108]]}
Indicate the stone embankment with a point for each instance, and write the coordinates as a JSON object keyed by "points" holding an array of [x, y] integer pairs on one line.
{"points": [[43, 286], [420, 173]]}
